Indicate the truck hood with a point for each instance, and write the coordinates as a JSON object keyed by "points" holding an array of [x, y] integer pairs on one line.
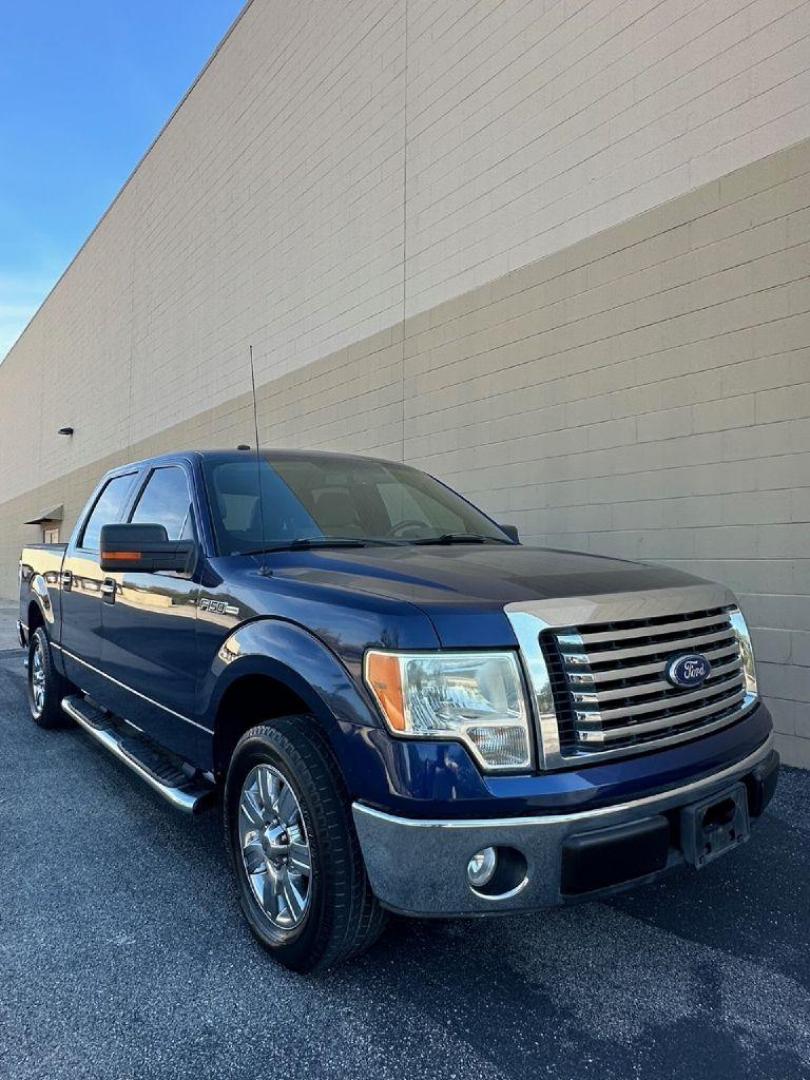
{"points": [[450, 583], [473, 575]]}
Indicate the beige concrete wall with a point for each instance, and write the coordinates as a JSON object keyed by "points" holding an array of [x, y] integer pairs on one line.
{"points": [[340, 164], [534, 125], [644, 393]]}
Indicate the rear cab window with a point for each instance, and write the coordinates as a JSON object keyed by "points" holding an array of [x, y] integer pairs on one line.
{"points": [[108, 509]]}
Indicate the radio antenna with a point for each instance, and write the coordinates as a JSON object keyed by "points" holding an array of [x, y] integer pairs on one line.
{"points": [[263, 569]]}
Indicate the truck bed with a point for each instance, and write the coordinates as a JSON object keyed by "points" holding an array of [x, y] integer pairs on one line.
{"points": [[43, 561]]}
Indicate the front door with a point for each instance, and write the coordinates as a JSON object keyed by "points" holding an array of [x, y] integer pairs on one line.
{"points": [[149, 627]]}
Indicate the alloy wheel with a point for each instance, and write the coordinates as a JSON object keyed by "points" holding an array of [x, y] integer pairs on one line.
{"points": [[37, 679], [275, 848]]}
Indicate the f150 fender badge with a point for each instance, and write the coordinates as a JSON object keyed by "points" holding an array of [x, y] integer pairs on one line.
{"points": [[217, 607], [689, 669]]}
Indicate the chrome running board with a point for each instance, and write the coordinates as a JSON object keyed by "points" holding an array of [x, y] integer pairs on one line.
{"points": [[179, 783]]}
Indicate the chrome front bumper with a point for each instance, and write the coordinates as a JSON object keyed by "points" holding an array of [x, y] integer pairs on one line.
{"points": [[419, 867]]}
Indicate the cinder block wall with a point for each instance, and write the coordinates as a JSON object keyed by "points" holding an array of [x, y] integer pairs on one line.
{"points": [[555, 253]]}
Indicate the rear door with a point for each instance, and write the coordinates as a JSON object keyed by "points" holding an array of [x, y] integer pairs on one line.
{"points": [[149, 621], [82, 584]]}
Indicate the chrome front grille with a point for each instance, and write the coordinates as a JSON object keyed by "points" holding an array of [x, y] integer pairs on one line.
{"points": [[609, 685]]}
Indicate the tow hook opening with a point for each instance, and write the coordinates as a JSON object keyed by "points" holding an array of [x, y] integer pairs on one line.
{"points": [[505, 872]]}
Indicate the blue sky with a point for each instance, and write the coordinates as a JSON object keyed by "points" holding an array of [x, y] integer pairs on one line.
{"points": [[85, 86]]}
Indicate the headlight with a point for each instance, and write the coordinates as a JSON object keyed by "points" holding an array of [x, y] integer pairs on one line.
{"points": [[476, 698], [743, 635]]}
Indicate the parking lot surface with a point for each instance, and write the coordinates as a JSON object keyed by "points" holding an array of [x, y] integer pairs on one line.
{"points": [[123, 955]]}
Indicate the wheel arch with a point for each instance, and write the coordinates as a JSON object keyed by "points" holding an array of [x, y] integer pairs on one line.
{"points": [[35, 618], [271, 668], [256, 695], [40, 607]]}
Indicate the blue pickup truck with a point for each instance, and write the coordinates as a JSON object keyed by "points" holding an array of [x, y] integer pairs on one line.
{"points": [[398, 705]]}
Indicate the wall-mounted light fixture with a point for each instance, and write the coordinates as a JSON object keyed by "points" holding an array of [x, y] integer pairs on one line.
{"points": [[65, 431]]}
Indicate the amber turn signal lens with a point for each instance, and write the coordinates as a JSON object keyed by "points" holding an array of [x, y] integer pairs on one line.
{"points": [[385, 679], [112, 556]]}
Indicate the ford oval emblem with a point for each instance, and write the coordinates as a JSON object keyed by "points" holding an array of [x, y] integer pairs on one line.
{"points": [[688, 669]]}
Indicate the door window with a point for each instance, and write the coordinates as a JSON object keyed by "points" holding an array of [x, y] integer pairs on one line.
{"points": [[166, 500], [108, 510]]}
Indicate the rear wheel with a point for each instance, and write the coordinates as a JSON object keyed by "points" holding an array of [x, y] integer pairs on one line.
{"points": [[300, 875], [46, 687]]}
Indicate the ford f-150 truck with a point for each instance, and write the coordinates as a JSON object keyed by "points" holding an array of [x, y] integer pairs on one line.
{"points": [[400, 706]]}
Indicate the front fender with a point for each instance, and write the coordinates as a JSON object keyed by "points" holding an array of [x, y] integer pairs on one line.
{"points": [[291, 655]]}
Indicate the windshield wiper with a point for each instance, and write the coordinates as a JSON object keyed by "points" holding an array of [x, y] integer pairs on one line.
{"points": [[460, 538], [303, 543]]}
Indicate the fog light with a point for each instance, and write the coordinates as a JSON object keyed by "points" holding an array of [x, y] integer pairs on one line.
{"points": [[481, 867]]}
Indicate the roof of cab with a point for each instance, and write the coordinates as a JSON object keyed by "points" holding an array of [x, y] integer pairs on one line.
{"points": [[237, 455]]}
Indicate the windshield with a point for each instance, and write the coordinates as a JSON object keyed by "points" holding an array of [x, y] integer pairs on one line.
{"points": [[318, 499]]}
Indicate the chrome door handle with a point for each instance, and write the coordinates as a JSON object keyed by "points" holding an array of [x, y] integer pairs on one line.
{"points": [[66, 580], [108, 590]]}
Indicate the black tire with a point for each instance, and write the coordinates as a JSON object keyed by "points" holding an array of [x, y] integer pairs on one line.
{"points": [[342, 917], [46, 713]]}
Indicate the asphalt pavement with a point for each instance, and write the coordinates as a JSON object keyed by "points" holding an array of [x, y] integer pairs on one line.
{"points": [[123, 955], [9, 610]]}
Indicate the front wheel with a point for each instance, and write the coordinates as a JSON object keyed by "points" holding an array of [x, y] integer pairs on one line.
{"points": [[288, 827], [46, 687]]}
